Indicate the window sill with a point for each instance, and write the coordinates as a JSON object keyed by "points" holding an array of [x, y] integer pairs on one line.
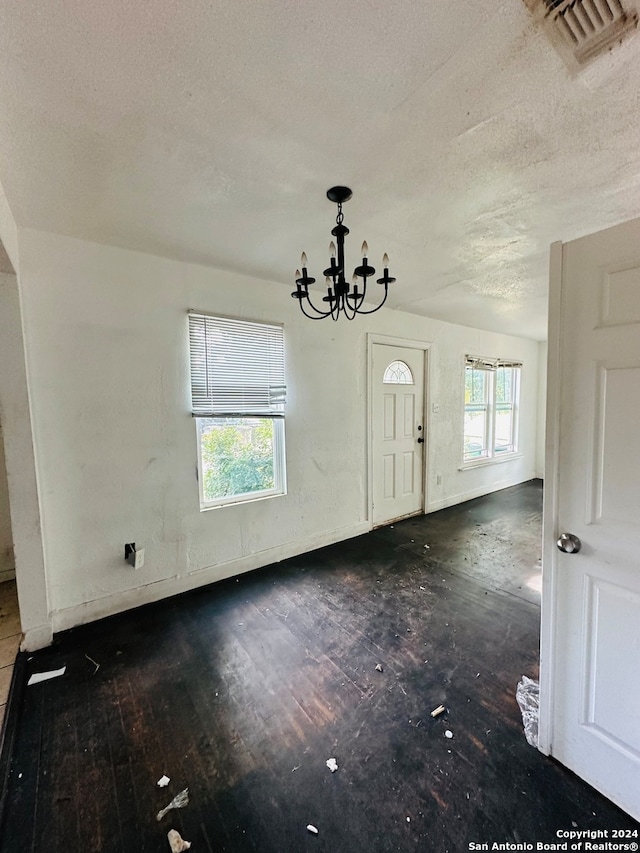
{"points": [[493, 460], [238, 500]]}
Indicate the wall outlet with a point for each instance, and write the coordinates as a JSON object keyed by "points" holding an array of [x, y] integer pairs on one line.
{"points": [[134, 556]]}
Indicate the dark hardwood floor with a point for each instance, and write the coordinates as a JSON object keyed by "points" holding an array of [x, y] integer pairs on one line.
{"points": [[242, 690]]}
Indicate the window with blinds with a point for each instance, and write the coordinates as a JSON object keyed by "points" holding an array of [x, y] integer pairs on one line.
{"points": [[238, 400], [491, 396]]}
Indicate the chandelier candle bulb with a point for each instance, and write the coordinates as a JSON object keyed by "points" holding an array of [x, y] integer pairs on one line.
{"points": [[303, 260], [385, 261], [365, 251], [332, 249]]}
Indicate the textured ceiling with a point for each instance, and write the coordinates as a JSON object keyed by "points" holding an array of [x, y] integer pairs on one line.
{"points": [[210, 131]]}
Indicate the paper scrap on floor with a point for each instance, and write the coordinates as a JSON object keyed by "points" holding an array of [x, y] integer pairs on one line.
{"points": [[37, 677]]}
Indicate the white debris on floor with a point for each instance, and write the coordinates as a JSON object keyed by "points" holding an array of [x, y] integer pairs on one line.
{"points": [[178, 802], [177, 842]]}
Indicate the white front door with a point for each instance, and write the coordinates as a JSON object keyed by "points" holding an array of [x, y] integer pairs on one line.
{"points": [[398, 432], [590, 655]]}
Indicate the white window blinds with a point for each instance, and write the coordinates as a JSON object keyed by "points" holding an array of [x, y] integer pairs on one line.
{"points": [[237, 367], [480, 363]]}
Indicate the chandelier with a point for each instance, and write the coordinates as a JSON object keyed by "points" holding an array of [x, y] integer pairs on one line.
{"points": [[341, 297]]}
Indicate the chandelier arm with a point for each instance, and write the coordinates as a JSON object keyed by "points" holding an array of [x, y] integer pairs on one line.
{"points": [[355, 303], [384, 299], [351, 313], [320, 315], [312, 317], [338, 306], [317, 310]]}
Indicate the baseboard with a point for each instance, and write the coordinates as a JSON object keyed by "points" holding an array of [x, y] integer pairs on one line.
{"points": [[452, 500], [100, 608], [36, 638], [7, 575]]}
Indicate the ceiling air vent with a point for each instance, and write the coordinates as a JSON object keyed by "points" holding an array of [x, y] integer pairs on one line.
{"points": [[583, 29]]}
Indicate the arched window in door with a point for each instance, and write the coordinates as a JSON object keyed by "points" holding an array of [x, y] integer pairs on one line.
{"points": [[398, 373]]}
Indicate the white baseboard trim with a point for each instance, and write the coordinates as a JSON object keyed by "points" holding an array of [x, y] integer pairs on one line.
{"points": [[90, 611], [36, 638], [452, 500]]}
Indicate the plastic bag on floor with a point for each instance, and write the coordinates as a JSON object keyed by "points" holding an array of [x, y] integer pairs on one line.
{"points": [[528, 696]]}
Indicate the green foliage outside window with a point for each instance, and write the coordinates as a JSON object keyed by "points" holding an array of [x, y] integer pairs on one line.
{"points": [[504, 385], [237, 456], [475, 386]]}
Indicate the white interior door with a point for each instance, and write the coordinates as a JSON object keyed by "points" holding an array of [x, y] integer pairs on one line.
{"points": [[398, 433], [591, 598]]}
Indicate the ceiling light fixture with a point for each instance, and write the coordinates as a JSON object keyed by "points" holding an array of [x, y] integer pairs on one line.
{"points": [[341, 296]]}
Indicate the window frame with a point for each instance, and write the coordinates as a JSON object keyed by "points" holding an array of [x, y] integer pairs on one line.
{"points": [[279, 471], [492, 454], [274, 411]]}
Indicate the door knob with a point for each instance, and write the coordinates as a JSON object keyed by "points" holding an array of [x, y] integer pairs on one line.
{"points": [[569, 543], [421, 440]]}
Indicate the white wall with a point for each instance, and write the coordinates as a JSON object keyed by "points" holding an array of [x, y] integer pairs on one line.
{"points": [[8, 231], [107, 356], [542, 408]]}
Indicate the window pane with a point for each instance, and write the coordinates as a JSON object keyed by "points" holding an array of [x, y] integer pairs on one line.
{"points": [[475, 385], [237, 456], [475, 432], [398, 373], [504, 385], [504, 428], [476, 388], [504, 436]]}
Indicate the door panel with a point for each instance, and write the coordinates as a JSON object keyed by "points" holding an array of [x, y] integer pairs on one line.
{"points": [[397, 409], [409, 421], [613, 616], [408, 465], [617, 467], [389, 474], [389, 417], [594, 598]]}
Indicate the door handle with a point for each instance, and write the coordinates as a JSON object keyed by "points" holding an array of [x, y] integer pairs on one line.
{"points": [[569, 543], [421, 440]]}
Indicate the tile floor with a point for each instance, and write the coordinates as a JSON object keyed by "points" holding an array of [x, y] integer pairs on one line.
{"points": [[10, 636]]}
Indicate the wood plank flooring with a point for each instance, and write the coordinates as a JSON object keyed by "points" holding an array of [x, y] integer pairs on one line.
{"points": [[242, 690]]}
